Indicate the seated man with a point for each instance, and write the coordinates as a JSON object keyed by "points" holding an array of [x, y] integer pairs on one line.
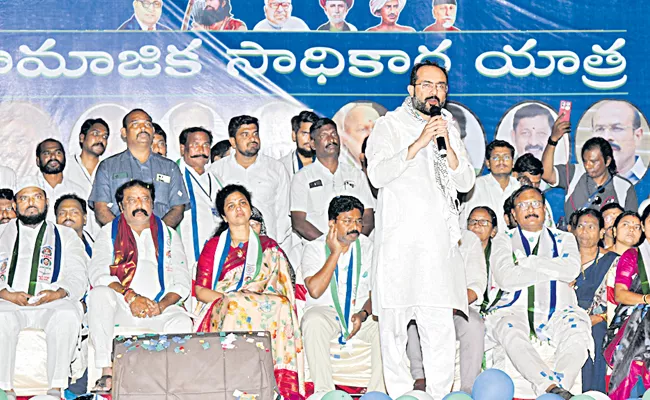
{"points": [[536, 299], [42, 278], [72, 211], [135, 283], [336, 272], [470, 329]]}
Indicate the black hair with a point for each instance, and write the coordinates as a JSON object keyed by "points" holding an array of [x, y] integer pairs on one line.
{"points": [[532, 110], [426, 63], [508, 207], [119, 193], [71, 196], [611, 206], [316, 126], [576, 215], [182, 138], [644, 216], [126, 117], [528, 163], [523, 189], [342, 204], [240, 120], [364, 145], [157, 130], [624, 214], [85, 127], [7, 194], [605, 149], [220, 203], [38, 147], [490, 212], [303, 117], [498, 143], [220, 149]]}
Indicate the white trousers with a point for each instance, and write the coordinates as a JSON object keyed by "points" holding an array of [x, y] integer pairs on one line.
{"points": [[438, 342], [61, 321], [106, 308], [569, 331], [470, 333], [319, 327]]}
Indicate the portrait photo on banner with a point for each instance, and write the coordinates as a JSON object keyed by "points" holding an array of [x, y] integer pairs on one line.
{"points": [[471, 131], [527, 126], [355, 122], [625, 127]]}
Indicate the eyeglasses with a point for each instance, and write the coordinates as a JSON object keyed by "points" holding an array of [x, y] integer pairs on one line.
{"points": [[98, 134], [615, 129], [431, 86], [501, 158], [479, 222], [278, 4], [6, 209], [350, 221], [525, 205], [147, 4]]}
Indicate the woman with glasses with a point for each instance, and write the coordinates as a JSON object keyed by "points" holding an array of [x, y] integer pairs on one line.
{"points": [[243, 284], [626, 350], [588, 229]]}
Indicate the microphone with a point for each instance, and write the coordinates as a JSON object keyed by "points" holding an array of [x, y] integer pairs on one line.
{"points": [[440, 141]]}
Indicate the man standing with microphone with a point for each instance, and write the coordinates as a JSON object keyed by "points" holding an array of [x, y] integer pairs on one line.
{"points": [[418, 270]]}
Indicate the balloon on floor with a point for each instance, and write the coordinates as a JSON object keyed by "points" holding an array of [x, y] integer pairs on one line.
{"points": [[418, 394], [374, 396], [493, 384], [457, 396], [337, 395]]}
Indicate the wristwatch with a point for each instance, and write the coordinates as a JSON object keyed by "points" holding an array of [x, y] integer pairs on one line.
{"points": [[552, 142], [367, 314]]}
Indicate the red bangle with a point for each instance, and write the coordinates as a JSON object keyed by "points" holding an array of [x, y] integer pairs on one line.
{"points": [[126, 291]]}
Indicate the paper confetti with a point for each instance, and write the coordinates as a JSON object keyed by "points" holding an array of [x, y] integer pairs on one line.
{"points": [[206, 345]]}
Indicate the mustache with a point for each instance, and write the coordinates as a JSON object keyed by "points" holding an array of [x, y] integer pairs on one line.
{"points": [[67, 220], [142, 210], [531, 147], [354, 231], [332, 144], [99, 144], [532, 216], [392, 15], [434, 97], [200, 156], [615, 146]]}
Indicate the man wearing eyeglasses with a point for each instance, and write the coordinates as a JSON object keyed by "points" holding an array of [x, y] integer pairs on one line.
{"points": [[279, 18], [146, 14], [529, 170], [533, 267], [619, 123], [419, 271], [492, 189], [593, 183], [139, 162]]}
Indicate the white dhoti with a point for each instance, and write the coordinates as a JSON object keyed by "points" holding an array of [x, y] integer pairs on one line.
{"points": [[568, 330], [106, 308], [61, 321], [319, 327], [438, 343]]}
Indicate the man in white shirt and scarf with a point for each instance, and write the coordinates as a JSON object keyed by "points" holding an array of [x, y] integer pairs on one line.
{"points": [[533, 268], [417, 267]]}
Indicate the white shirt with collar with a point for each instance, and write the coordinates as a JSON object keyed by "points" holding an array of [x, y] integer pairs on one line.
{"points": [[314, 187], [269, 184], [313, 260], [637, 171], [204, 192], [476, 274], [487, 192], [292, 24], [76, 173], [67, 186], [145, 281]]}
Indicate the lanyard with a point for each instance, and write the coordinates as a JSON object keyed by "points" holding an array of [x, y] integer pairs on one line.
{"points": [[194, 211], [344, 315], [643, 274]]}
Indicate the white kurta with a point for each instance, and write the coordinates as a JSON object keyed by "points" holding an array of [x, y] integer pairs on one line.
{"points": [[475, 267], [415, 263], [314, 187], [487, 192], [204, 192], [66, 186], [269, 184]]}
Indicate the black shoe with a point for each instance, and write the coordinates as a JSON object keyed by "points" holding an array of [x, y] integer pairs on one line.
{"points": [[565, 394]]}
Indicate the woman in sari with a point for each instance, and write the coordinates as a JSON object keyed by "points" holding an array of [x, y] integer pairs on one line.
{"points": [[626, 349], [588, 228], [243, 280]]}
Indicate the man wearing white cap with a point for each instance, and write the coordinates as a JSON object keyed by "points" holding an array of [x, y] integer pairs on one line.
{"points": [[388, 11], [444, 11], [336, 11], [42, 278]]}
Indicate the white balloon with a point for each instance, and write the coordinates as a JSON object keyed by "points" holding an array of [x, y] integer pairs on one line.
{"points": [[597, 395], [418, 394]]}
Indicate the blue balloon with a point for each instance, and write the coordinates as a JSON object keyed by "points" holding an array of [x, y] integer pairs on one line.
{"points": [[550, 396], [457, 396], [376, 396], [493, 384]]}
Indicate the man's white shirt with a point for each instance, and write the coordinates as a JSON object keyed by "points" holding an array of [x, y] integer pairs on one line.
{"points": [[313, 259], [488, 192], [314, 187]]}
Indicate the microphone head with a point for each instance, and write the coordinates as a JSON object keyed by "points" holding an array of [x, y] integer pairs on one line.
{"points": [[434, 111]]}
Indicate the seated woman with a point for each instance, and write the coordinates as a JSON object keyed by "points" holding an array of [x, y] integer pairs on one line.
{"points": [[243, 280], [588, 228], [626, 350]]}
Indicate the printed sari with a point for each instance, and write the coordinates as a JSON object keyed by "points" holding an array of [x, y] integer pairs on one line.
{"points": [[258, 296]]}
